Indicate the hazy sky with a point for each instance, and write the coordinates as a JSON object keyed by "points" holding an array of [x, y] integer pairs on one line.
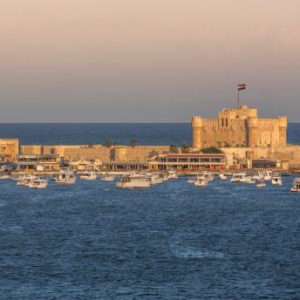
{"points": [[146, 60]]}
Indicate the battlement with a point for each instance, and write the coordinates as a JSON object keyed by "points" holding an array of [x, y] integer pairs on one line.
{"points": [[239, 126], [196, 121]]}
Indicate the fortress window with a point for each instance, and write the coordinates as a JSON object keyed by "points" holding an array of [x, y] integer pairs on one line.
{"points": [[226, 122], [222, 122]]}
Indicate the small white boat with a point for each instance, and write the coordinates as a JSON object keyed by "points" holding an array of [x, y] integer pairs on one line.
{"points": [[38, 183], [296, 185], [88, 176], [259, 176], [261, 184], [108, 177], [222, 176], [25, 179], [4, 177], [201, 181], [134, 182], [276, 179], [172, 175], [66, 178], [247, 179], [156, 179], [237, 177], [268, 175]]}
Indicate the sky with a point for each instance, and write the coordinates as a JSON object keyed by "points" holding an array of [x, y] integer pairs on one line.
{"points": [[146, 60]]}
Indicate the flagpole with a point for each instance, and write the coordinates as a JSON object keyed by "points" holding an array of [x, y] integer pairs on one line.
{"points": [[238, 96]]}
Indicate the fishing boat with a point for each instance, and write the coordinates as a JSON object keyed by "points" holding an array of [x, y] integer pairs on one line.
{"points": [[296, 185], [88, 176], [38, 183], [201, 181], [66, 178], [276, 179], [134, 181], [108, 177]]}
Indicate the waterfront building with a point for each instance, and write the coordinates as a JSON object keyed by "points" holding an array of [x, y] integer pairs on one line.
{"points": [[239, 127], [40, 163], [189, 162]]}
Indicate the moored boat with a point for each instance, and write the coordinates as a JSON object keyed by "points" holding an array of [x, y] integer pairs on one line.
{"points": [[108, 177], [296, 185], [276, 179], [261, 184], [172, 175], [156, 179], [66, 178], [88, 176], [222, 176], [134, 181], [38, 183], [237, 177], [25, 179]]}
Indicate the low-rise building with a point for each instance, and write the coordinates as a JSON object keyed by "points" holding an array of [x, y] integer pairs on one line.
{"points": [[42, 163], [189, 162]]}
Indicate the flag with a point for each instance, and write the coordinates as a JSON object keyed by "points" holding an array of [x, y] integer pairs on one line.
{"points": [[241, 86]]}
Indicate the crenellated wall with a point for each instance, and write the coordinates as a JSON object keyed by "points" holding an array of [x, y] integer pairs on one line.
{"points": [[238, 127]]}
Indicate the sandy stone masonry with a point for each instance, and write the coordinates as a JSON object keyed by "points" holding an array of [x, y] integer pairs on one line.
{"points": [[239, 127]]}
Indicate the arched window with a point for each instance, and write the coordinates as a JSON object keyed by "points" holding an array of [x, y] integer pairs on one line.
{"points": [[226, 122]]}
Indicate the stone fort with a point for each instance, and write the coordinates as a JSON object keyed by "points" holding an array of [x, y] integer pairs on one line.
{"points": [[239, 127]]}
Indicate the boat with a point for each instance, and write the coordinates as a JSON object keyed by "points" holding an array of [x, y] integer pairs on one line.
{"points": [[268, 175], [201, 181], [276, 179], [172, 175], [261, 184], [88, 176], [25, 179], [134, 181], [4, 177], [66, 178], [108, 177], [237, 177], [156, 179], [222, 176], [259, 176], [208, 175], [296, 185], [38, 183], [247, 179]]}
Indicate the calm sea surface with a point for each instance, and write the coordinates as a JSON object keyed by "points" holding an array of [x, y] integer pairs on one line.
{"points": [[173, 241]]}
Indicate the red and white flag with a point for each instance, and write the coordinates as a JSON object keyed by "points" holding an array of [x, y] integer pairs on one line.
{"points": [[242, 86]]}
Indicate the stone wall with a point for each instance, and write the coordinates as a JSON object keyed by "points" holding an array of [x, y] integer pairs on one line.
{"points": [[93, 152], [9, 149]]}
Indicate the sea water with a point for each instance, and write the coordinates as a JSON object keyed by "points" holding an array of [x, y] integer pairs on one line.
{"points": [[172, 241]]}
